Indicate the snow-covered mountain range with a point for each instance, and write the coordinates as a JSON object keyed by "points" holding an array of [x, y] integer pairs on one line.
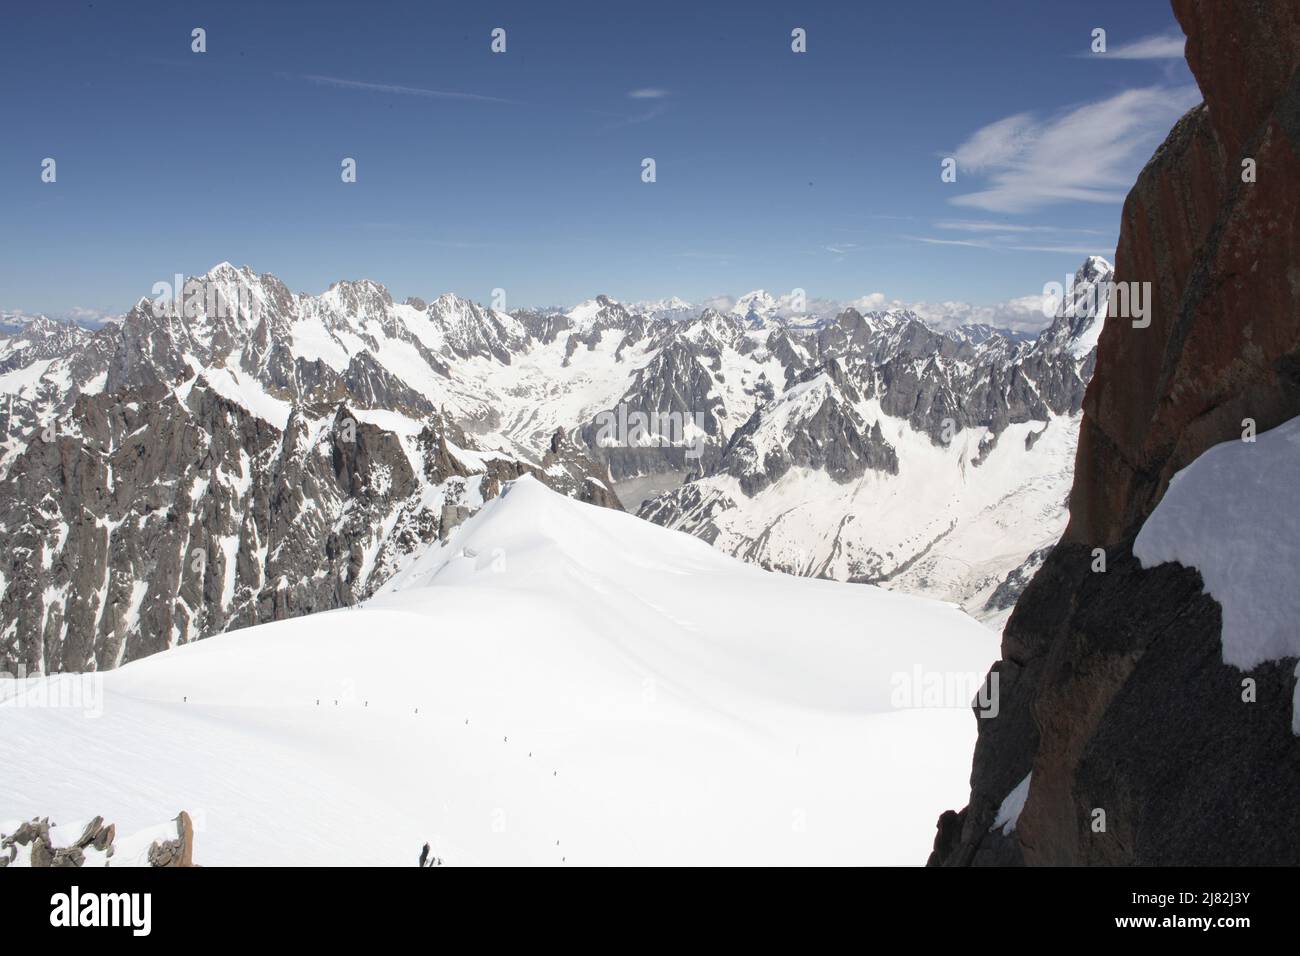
{"points": [[241, 453]]}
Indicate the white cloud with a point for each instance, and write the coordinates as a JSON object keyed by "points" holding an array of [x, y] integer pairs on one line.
{"points": [[933, 241], [1100, 247], [1090, 153], [87, 316], [997, 144], [982, 225], [1022, 237], [1164, 46], [648, 93], [977, 225]]}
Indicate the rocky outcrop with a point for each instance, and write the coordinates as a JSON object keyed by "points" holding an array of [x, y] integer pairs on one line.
{"points": [[678, 398], [1143, 745], [1224, 266], [1008, 592], [33, 843], [564, 468], [831, 435], [177, 852]]}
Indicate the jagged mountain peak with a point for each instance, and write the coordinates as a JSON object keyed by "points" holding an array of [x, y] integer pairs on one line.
{"points": [[711, 327], [358, 295], [42, 325], [20, 320], [451, 302], [590, 312], [226, 268], [1094, 267], [1083, 309], [757, 299]]}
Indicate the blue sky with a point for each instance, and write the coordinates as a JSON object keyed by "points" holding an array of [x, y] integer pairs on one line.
{"points": [[522, 170]]}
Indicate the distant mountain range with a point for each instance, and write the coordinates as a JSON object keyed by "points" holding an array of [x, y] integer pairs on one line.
{"points": [[13, 322], [759, 308]]}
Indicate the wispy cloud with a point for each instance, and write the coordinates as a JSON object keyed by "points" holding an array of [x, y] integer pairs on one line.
{"points": [[980, 225], [998, 143], [969, 225], [1161, 46], [82, 314], [933, 241], [656, 107], [403, 90], [1090, 153], [1021, 237], [1101, 249], [656, 110], [1010, 244]]}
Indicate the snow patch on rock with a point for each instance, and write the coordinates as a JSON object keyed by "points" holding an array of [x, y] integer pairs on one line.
{"points": [[1009, 812], [1232, 514]]}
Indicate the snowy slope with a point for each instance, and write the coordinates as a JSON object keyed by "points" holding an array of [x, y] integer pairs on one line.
{"points": [[942, 526], [559, 683]]}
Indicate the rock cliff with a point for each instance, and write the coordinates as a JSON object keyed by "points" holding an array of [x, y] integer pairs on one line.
{"points": [[1133, 741]]}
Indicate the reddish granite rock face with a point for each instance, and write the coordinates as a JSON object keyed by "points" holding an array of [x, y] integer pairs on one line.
{"points": [[1243, 55], [1113, 690], [1223, 257]]}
